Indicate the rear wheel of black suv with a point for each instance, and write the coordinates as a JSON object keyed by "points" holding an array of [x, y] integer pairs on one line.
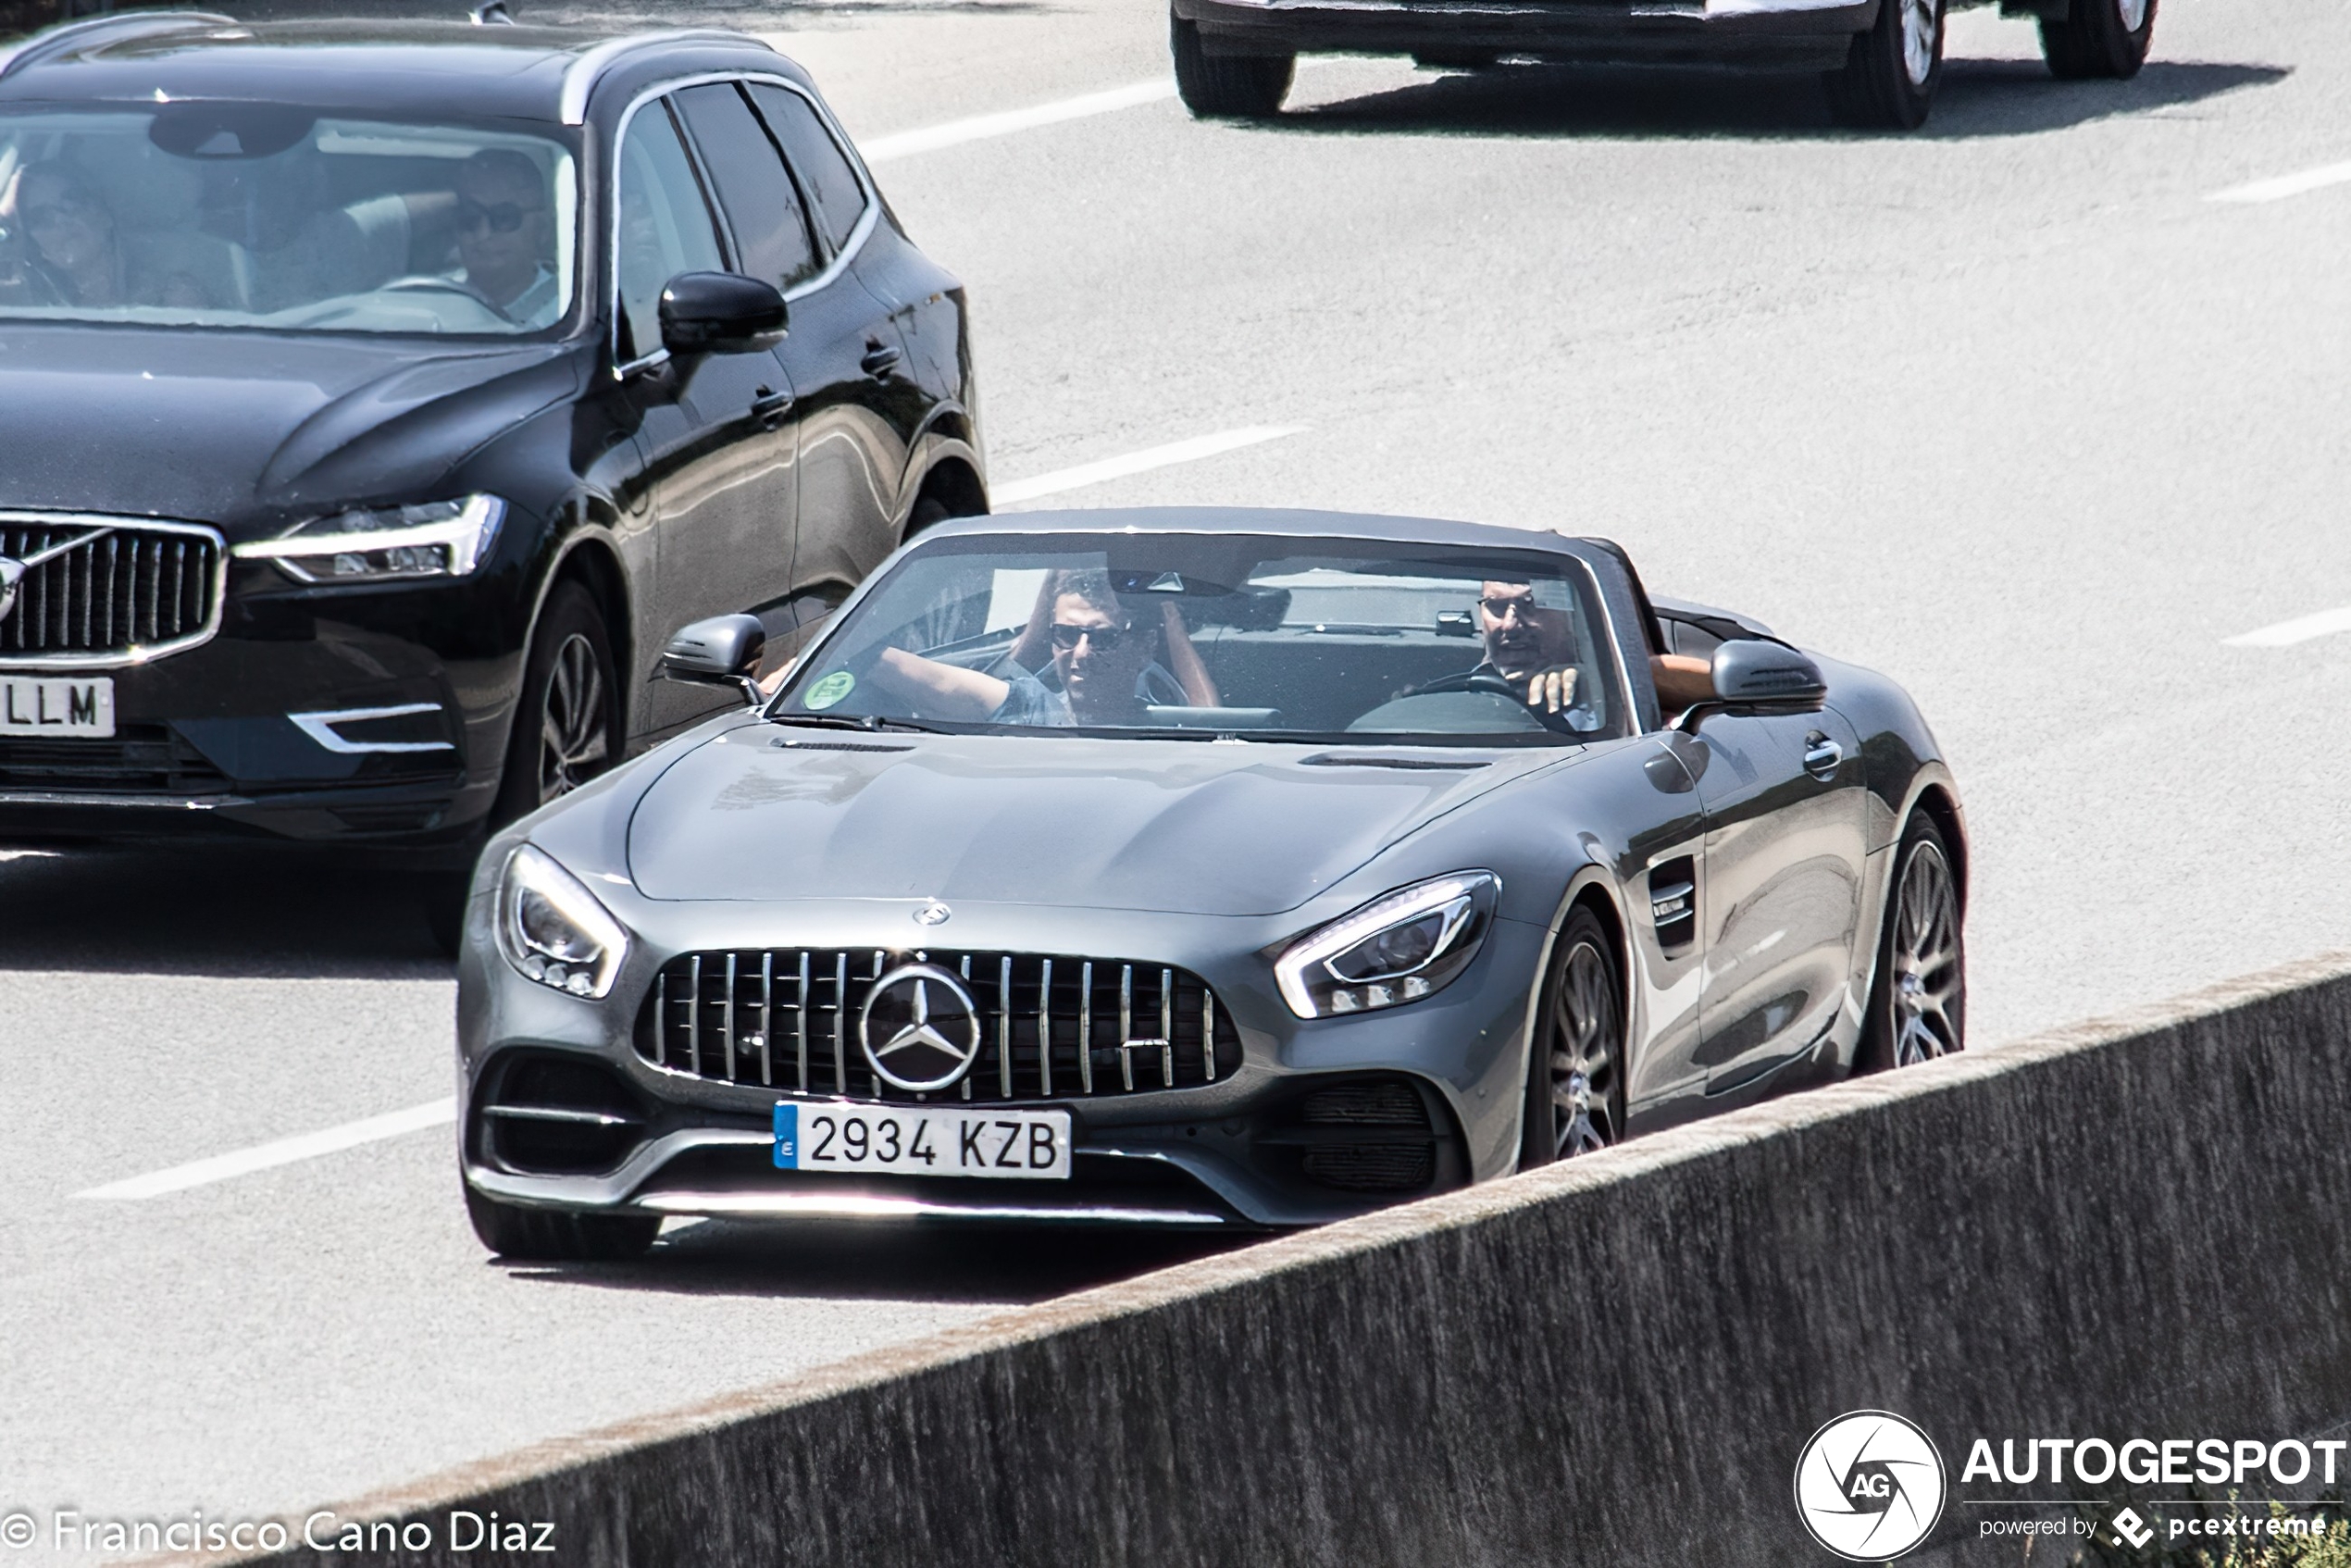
{"points": [[552, 1236], [1892, 70], [1227, 86], [2097, 38], [566, 730]]}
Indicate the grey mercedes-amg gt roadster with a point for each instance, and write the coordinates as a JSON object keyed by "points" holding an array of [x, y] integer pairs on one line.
{"points": [[1199, 868]]}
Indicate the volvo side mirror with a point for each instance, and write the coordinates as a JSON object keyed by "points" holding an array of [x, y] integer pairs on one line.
{"points": [[722, 651], [1752, 675], [720, 313]]}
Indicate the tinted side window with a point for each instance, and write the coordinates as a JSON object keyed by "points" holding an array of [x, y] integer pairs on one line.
{"points": [[771, 233], [665, 227], [823, 171]]}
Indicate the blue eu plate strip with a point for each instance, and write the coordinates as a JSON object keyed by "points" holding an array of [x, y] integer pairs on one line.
{"points": [[788, 1138]]}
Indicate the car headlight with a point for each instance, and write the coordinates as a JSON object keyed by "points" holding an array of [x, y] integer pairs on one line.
{"points": [[552, 929], [387, 543], [1398, 949]]}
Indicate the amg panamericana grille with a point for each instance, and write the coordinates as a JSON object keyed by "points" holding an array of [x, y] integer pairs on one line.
{"points": [[98, 590], [1050, 1027]]}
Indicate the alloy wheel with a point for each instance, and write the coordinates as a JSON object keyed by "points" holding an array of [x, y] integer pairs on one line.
{"points": [[1920, 20], [1926, 960], [1584, 1031], [576, 729]]}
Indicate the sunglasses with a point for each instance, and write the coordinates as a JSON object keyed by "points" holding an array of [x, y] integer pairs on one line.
{"points": [[1103, 638], [1500, 608], [503, 216]]}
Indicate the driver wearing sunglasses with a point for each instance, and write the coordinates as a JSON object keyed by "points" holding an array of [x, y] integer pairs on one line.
{"points": [[505, 235], [1107, 661]]}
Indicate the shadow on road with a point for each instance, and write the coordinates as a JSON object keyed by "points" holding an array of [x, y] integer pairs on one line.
{"points": [[842, 1261], [241, 912], [1979, 98]]}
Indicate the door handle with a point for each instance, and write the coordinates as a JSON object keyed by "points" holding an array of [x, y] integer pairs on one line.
{"points": [[770, 406], [879, 359], [1821, 756]]}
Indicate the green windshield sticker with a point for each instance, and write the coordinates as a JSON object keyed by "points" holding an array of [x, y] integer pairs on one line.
{"points": [[827, 691]]}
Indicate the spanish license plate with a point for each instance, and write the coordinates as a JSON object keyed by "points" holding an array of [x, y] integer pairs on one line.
{"points": [[921, 1140], [66, 709]]}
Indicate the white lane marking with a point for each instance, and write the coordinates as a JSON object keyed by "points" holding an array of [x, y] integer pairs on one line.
{"points": [[980, 127], [2285, 634], [1139, 462], [285, 1152], [2286, 185]]}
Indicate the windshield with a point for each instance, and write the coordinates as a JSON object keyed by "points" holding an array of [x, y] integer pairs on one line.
{"points": [[260, 216], [1204, 636]]}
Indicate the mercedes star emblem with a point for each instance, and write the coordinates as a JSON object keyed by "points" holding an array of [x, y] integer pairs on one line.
{"points": [[920, 1028], [933, 913], [12, 574]]}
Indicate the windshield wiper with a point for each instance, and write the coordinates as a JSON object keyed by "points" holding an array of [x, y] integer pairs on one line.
{"points": [[870, 723]]}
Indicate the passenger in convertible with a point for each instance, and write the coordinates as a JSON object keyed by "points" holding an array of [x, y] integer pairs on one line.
{"points": [[1112, 661]]}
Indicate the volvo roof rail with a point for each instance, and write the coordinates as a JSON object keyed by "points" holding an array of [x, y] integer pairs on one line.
{"points": [[581, 77], [56, 41]]}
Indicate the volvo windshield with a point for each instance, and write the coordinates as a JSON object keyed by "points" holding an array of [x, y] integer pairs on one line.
{"points": [[261, 216]]}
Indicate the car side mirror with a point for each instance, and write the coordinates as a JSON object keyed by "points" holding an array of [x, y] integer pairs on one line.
{"points": [[1752, 675], [720, 313], [722, 651]]}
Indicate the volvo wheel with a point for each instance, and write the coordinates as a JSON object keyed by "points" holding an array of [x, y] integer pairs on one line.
{"points": [[1918, 1004], [566, 730], [1227, 86], [567, 725], [1575, 1083], [1892, 70], [2098, 38]]}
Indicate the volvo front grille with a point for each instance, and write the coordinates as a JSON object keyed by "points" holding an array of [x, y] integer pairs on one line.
{"points": [[98, 592], [1049, 1028]]}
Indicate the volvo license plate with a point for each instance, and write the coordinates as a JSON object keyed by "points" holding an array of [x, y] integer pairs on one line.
{"points": [[69, 708], [922, 1140]]}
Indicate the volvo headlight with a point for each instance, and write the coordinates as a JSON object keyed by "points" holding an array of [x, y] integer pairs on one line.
{"points": [[387, 543], [1394, 950], [552, 929]]}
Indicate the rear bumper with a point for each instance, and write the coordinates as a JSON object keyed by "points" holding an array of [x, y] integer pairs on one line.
{"points": [[1784, 33]]}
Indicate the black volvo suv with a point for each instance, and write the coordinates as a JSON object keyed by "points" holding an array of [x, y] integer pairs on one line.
{"points": [[375, 399]]}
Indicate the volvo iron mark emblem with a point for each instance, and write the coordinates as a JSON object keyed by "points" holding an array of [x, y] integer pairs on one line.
{"points": [[12, 574], [920, 1028]]}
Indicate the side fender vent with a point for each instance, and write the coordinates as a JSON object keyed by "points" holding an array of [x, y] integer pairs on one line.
{"points": [[1673, 903]]}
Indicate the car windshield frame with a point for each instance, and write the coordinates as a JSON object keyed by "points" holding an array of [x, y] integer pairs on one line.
{"points": [[1536, 561], [571, 222]]}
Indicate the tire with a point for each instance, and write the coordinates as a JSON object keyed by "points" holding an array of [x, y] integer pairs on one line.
{"points": [[1575, 1075], [551, 1235], [928, 513], [567, 720], [2099, 38], [1918, 1001], [443, 897], [1892, 70], [1227, 86], [570, 683]]}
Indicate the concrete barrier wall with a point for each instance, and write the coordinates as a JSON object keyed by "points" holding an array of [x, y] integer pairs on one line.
{"points": [[2137, 1226]]}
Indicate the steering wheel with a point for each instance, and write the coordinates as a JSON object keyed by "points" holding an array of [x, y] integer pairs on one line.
{"points": [[425, 283]]}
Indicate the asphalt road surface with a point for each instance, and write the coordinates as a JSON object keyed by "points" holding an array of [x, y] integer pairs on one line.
{"points": [[2015, 410]]}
